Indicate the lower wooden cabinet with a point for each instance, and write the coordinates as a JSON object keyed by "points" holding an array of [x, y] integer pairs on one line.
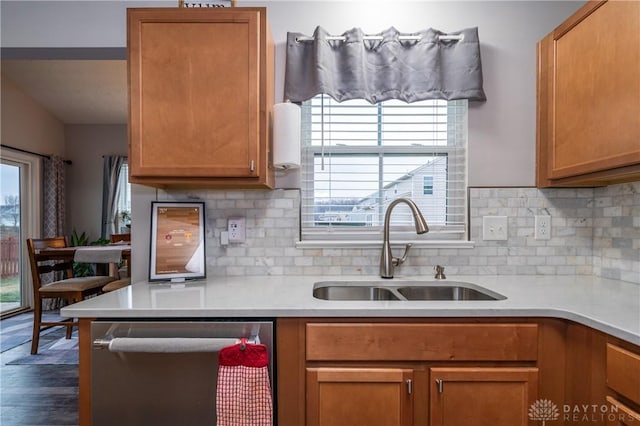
{"points": [[482, 396], [359, 396], [462, 372], [378, 373]]}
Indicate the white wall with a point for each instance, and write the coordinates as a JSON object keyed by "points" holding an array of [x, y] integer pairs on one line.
{"points": [[27, 125], [86, 146], [67, 23]]}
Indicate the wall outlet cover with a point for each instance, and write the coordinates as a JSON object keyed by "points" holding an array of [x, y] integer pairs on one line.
{"points": [[237, 230], [542, 229], [494, 228]]}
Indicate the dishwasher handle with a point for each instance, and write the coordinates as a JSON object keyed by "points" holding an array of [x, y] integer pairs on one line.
{"points": [[166, 344]]}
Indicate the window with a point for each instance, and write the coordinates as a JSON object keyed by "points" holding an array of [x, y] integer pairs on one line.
{"points": [[123, 220], [358, 157], [427, 185]]}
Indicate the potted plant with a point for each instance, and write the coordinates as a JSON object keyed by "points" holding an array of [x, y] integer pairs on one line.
{"points": [[84, 269]]}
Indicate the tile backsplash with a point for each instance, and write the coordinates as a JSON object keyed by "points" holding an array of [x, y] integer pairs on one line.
{"points": [[616, 232], [593, 231]]}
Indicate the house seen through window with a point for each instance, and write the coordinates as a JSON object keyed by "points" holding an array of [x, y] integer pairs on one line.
{"points": [[358, 157]]}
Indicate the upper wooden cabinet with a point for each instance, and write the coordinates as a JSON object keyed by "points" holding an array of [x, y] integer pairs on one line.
{"points": [[200, 94], [589, 97]]}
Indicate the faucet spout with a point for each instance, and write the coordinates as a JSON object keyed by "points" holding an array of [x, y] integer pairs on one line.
{"points": [[387, 261]]}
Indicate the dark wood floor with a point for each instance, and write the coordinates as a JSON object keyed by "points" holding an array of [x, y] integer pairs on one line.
{"points": [[33, 395]]}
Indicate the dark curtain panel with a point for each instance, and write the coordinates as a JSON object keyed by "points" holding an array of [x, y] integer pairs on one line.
{"points": [[391, 68], [54, 213], [110, 191], [54, 197]]}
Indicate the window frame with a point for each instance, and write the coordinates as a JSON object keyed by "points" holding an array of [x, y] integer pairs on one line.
{"points": [[31, 206], [340, 235]]}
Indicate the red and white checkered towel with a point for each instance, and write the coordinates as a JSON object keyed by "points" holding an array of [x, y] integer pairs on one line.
{"points": [[244, 394]]}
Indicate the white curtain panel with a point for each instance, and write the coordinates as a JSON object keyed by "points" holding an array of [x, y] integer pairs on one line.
{"points": [[111, 175]]}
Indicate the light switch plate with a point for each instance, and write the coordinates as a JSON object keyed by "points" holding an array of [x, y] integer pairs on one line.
{"points": [[494, 228]]}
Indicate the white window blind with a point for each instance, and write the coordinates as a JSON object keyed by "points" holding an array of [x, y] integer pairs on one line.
{"points": [[358, 157]]}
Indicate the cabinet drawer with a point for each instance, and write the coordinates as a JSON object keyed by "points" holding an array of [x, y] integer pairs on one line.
{"points": [[623, 372], [624, 414], [421, 342]]}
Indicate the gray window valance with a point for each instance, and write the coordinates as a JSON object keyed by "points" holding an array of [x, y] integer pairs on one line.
{"points": [[431, 65]]}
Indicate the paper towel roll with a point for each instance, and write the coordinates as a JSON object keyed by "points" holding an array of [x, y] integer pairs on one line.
{"points": [[286, 136]]}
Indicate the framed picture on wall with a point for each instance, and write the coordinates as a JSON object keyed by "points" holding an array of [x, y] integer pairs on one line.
{"points": [[177, 241]]}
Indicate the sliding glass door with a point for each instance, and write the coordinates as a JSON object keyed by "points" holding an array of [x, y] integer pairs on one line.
{"points": [[10, 288], [19, 219]]}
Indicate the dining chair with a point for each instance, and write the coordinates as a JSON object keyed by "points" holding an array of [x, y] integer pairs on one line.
{"points": [[117, 284], [118, 238], [70, 289]]}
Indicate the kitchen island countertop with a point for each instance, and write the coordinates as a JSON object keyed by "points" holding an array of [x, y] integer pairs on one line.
{"points": [[607, 305]]}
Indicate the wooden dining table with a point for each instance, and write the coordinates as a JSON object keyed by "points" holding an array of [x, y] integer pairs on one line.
{"points": [[110, 254]]}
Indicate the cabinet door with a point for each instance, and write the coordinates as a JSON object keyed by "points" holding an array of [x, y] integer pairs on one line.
{"points": [[589, 96], [196, 90], [482, 396], [359, 396]]}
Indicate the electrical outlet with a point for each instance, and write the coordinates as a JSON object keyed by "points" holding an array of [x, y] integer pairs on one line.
{"points": [[494, 228], [542, 229], [236, 229]]}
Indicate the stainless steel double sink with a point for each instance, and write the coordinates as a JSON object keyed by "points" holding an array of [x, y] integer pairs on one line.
{"points": [[402, 291]]}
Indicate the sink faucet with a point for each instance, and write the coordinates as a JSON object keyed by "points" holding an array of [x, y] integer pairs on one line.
{"points": [[387, 261], [439, 272]]}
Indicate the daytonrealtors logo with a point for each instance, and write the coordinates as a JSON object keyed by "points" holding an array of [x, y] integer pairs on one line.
{"points": [[545, 410]]}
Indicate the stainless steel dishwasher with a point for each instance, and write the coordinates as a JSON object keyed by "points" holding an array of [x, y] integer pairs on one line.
{"points": [[164, 372]]}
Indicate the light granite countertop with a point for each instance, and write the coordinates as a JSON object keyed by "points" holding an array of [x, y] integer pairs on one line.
{"points": [[607, 305]]}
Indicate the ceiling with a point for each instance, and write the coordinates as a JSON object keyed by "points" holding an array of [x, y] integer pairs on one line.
{"points": [[74, 91]]}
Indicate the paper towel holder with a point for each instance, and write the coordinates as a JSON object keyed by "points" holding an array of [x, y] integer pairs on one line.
{"points": [[286, 136]]}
